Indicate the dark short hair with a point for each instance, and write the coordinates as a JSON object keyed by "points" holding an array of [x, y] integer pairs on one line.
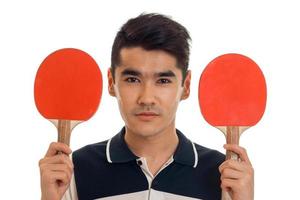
{"points": [[153, 32]]}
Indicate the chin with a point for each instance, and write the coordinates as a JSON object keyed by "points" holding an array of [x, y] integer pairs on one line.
{"points": [[145, 130], [149, 128]]}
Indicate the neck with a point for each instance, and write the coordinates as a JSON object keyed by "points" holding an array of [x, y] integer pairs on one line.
{"points": [[159, 146]]}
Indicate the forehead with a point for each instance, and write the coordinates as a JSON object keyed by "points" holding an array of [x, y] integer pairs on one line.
{"points": [[147, 62]]}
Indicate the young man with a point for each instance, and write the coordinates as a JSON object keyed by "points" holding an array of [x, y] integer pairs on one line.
{"points": [[149, 158]]}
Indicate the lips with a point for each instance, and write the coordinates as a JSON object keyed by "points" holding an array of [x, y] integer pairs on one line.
{"points": [[148, 113], [147, 116]]}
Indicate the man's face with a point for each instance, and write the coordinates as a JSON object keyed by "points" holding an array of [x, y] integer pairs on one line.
{"points": [[148, 89]]}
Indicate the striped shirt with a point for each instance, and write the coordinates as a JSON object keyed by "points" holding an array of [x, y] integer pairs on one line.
{"points": [[110, 171]]}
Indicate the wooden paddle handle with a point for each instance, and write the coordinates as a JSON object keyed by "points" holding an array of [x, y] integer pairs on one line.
{"points": [[232, 137], [64, 131]]}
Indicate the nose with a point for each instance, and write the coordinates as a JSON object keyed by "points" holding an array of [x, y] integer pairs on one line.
{"points": [[147, 95]]}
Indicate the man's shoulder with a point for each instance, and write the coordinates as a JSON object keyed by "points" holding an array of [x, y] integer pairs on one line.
{"points": [[95, 150], [209, 156]]}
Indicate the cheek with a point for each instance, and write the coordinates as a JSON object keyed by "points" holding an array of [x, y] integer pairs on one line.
{"points": [[171, 95], [125, 97], [171, 100]]}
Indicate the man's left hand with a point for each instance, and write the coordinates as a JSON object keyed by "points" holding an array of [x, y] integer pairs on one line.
{"points": [[237, 177]]}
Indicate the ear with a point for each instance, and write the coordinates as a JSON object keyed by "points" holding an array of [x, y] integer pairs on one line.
{"points": [[110, 79], [186, 85]]}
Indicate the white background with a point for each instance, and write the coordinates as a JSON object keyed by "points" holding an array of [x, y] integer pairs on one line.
{"points": [[266, 31]]}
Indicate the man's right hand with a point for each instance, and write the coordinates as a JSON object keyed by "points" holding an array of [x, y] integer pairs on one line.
{"points": [[56, 171]]}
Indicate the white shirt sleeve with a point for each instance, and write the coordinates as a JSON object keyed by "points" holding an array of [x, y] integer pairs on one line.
{"points": [[71, 193]]}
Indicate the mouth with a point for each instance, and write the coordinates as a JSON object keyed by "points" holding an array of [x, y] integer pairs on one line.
{"points": [[146, 116]]}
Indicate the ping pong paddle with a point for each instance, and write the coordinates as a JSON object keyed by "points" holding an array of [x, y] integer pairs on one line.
{"points": [[67, 89], [232, 96]]}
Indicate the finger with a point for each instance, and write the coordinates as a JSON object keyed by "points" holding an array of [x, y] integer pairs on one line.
{"points": [[238, 185], [228, 173], [238, 150], [58, 147], [47, 170], [228, 184], [54, 169], [58, 167], [246, 171], [54, 176], [57, 159], [235, 165]]}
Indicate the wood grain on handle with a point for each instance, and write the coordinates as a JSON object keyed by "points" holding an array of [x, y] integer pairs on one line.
{"points": [[64, 131], [232, 137]]}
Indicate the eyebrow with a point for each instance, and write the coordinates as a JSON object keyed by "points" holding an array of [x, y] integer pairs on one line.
{"points": [[131, 72], [167, 73]]}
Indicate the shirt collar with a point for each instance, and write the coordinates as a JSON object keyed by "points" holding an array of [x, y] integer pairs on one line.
{"points": [[117, 150], [186, 152]]}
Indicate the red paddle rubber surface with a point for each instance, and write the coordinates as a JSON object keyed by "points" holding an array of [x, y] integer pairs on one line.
{"points": [[232, 91], [68, 85]]}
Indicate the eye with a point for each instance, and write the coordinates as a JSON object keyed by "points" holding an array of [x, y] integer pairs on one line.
{"points": [[132, 80], [164, 81]]}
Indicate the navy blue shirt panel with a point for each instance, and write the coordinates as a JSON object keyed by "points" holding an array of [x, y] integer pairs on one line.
{"points": [[202, 182], [96, 177]]}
